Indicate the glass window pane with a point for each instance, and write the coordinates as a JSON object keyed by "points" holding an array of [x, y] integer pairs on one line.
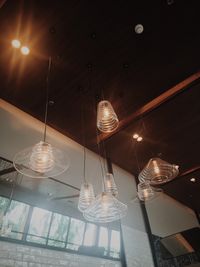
{"points": [[90, 235], [103, 238], [56, 244], [3, 206], [76, 232], [39, 225], [58, 229], [115, 244], [17, 216]]}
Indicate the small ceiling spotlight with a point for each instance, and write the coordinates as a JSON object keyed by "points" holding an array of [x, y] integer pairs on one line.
{"points": [[135, 136], [139, 139], [139, 28], [16, 43], [25, 50], [193, 180]]}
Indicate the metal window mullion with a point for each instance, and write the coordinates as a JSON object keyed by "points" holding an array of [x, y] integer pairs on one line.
{"points": [[51, 220], [84, 234], [66, 240], [109, 241], [27, 224]]}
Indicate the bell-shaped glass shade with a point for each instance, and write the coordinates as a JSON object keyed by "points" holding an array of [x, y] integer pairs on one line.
{"points": [[104, 209], [86, 196], [41, 161], [107, 120], [145, 191], [158, 171], [109, 184]]}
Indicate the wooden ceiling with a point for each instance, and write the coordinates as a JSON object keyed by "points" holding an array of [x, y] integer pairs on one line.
{"points": [[95, 50]]}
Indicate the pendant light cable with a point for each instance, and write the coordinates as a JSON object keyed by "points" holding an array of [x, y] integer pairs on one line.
{"points": [[47, 97]]}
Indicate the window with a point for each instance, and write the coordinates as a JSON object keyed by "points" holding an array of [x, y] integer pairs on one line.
{"points": [[103, 239], [39, 226], [90, 235], [58, 230], [115, 244], [76, 232]]}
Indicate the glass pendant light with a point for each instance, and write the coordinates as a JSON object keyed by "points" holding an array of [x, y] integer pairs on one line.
{"points": [[42, 160], [86, 196], [105, 208], [107, 120], [158, 171], [110, 185]]}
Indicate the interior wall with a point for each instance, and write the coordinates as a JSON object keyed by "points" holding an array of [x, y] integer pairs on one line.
{"points": [[15, 255]]}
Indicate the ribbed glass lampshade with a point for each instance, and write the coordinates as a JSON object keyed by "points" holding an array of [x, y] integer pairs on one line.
{"points": [[158, 171], [86, 196], [145, 191], [104, 209], [41, 161], [110, 185], [107, 120]]}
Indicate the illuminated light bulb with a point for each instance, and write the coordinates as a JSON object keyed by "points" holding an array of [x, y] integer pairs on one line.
{"points": [[16, 43], [86, 196], [139, 139], [107, 120], [110, 185], [156, 168], [193, 180], [25, 50], [42, 159], [145, 191], [135, 136]]}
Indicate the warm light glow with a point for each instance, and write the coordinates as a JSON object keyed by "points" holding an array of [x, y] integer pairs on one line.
{"points": [[16, 43], [193, 180], [42, 159], [139, 139], [135, 136], [156, 168], [25, 50]]}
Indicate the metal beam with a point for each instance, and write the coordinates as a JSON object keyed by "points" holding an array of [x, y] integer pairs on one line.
{"points": [[6, 171], [153, 104]]}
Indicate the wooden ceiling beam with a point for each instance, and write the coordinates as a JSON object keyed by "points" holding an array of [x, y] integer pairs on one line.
{"points": [[153, 104]]}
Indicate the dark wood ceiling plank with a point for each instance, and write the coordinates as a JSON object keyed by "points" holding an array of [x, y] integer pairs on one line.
{"points": [[153, 104]]}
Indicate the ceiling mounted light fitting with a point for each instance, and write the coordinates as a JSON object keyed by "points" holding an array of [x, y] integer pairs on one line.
{"points": [[104, 209], [42, 160], [107, 120], [158, 171]]}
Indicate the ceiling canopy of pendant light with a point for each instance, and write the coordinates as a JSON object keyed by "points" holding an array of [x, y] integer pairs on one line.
{"points": [[42, 160], [107, 120], [104, 209], [86, 196], [158, 171]]}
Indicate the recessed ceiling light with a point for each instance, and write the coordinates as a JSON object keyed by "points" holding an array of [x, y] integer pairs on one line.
{"points": [[193, 180], [16, 43], [139, 28], [135, 135], [25, 50], [139, 139]]}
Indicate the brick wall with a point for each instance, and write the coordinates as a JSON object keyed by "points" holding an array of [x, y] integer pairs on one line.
{"points": [[16, 255]]}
